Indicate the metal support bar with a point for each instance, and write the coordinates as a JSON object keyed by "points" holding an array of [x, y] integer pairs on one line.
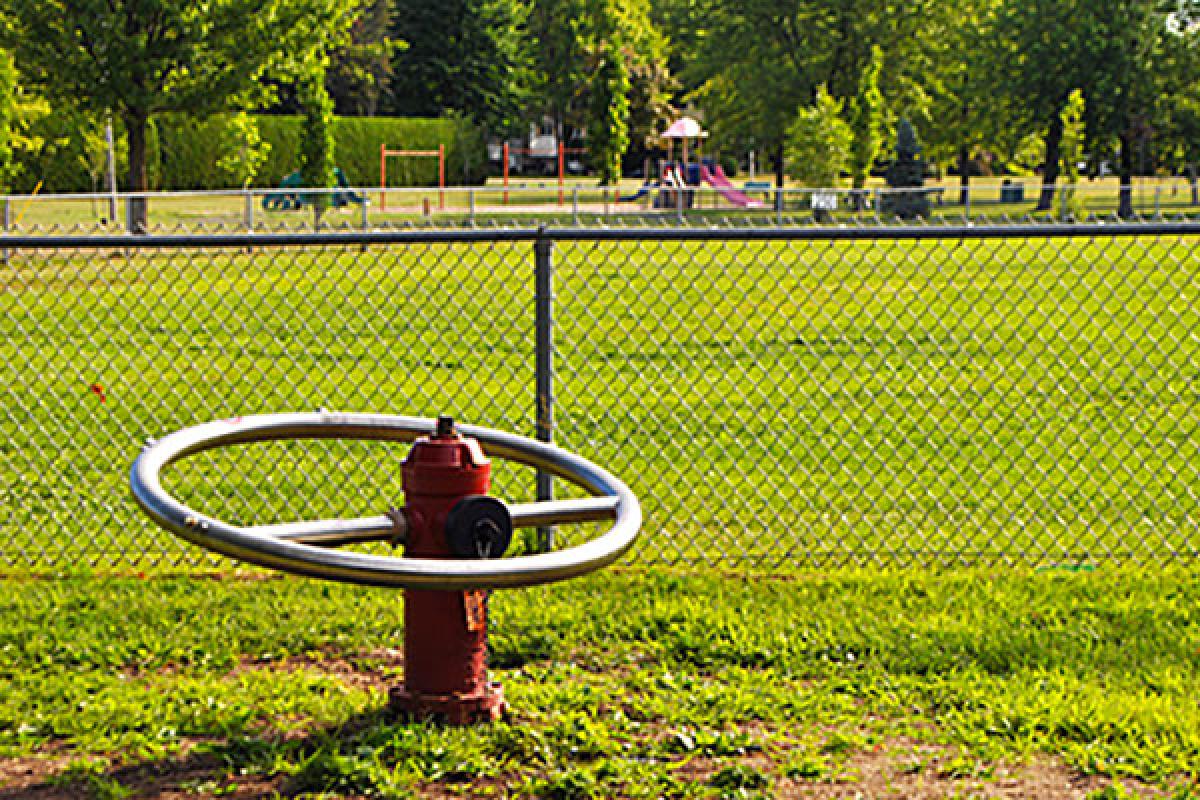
{"points": [[543, 249], [248, 215]]}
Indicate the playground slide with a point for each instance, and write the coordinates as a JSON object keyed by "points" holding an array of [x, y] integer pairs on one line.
{"points": [[638, 195], [717, 179]]}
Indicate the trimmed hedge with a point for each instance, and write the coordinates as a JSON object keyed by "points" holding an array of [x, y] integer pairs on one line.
{"points": [[189, 149]]}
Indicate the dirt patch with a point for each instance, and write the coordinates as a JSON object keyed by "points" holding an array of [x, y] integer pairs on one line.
{"points": [[906, 770], [19, 774], [185, 776], [372, 671]]}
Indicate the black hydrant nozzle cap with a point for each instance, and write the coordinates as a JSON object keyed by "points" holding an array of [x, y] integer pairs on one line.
{"points": [[445, 426]]}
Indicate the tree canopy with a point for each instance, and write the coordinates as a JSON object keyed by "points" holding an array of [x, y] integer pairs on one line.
{"points": [[138, 58]]}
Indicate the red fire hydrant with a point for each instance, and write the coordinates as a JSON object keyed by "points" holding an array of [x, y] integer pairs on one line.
{"points": [[447, 515]]}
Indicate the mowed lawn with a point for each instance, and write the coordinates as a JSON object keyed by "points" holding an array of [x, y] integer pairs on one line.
{"points": [[632, 683], [773, 404], [810, 427]]}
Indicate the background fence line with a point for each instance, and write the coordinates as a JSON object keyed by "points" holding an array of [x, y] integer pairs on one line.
{"points": [[362, 208], [778, 398]]}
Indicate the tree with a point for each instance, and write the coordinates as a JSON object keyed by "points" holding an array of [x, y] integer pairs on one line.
{"points": [[138, 58], [866, 121], [1128, 78], [244, 151], [20, 113], [761, 60], [819, 142], [1118, 52], [1072, 152], [569, 41], [360, 70], [608, 123], [970, 111], [316, 140], [8, 113], [460, 55]]}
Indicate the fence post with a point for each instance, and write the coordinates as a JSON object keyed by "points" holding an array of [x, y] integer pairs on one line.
{"points": [[248, 215], [1062, 204], [471, 207], [543, 250], [1158, 201], [575, 205], [365, 211], [875, 201], [967, 204], [679, 201]]}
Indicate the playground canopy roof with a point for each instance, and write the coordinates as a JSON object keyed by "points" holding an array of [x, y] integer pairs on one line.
{"points": [[684, 128]]}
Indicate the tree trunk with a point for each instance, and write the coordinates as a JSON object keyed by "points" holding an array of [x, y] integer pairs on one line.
{"points": [[1050, 168], [1125, 173], [135, 127], [964, 175]]}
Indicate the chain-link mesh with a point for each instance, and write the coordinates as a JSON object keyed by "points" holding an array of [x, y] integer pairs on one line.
{"points": [[775, 401], [544, 202]]}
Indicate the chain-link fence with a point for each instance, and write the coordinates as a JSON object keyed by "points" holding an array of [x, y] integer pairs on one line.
{"points": [[777, 398], [752, 203]]}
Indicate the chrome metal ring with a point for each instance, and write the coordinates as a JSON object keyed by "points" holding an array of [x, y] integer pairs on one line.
{"points": [[304, 548]]}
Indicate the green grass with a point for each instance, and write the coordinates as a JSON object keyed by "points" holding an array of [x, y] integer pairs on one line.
{"points": [[772, 404], [535, 201], [625, 684]]}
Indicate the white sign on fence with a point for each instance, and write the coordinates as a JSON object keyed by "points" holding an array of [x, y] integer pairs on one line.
{"points": [[824, 201]]}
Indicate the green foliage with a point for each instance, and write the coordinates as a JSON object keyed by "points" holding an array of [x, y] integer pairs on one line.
{"points": [[1072, 152], [316, 139], [866, 120], [759, 60], [141, 58], [193, 150], [608, 122], [8, 113], [468, 56], [571, 37], [818, 144], [243, 150], [360, 69]]}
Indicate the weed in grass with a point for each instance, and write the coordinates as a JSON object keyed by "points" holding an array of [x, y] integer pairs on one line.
{"points": [[572, 783], [806, 767], [327, 770], [739, 776]]}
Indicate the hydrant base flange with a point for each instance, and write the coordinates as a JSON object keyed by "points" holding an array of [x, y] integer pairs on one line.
{"points": [[456, 709]]}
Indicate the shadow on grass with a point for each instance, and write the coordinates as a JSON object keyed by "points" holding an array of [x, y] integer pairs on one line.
{"points": [[242, 767]]}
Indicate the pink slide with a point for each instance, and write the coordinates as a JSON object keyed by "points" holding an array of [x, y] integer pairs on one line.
{"points": [[716, 178]]}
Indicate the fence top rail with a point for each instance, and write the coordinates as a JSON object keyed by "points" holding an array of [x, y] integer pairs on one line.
{"points": [[537, 185], [599, 234]]}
